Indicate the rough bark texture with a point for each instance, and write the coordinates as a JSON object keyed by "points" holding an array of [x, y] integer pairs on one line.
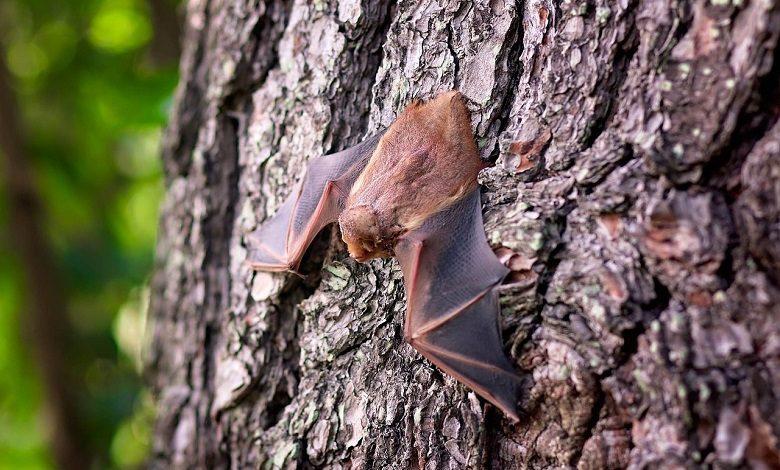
{"points": [[637, 177]]}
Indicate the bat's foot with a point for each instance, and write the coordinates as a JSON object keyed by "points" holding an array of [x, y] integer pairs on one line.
{"points": [[282, 267]]}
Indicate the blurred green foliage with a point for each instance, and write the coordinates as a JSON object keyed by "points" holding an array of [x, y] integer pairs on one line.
{"points": [[93, 104]]}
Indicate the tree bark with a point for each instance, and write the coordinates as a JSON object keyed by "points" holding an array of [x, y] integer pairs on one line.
{"points": [[637, 178]]}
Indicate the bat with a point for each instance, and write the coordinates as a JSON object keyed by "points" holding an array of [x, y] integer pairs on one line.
{"points": [[411, 192]]}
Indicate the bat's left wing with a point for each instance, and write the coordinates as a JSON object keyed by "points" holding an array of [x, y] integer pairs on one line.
{"points": [[316, 201], [450, 274]]}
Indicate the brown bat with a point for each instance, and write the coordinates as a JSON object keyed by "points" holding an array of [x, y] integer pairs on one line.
{"points": [[412, 193]]}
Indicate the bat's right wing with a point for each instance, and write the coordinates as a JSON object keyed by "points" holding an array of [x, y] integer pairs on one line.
{"points": [[450, 274], [316, 201]]}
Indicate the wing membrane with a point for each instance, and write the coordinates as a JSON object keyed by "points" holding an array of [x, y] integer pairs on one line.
{"points": [[316, 201], [450, 274]]}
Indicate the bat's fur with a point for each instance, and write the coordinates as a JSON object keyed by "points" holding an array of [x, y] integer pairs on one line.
{"points": [[425, 162]]}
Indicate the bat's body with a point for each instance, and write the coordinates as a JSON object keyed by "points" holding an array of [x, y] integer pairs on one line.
{"points": [[412, 193], [429, 158]]}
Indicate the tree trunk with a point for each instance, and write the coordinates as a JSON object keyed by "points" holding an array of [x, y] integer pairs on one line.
{"points": [[637, 178]]}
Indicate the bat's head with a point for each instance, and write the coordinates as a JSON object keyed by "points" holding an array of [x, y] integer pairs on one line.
{"points": [[365, 237]]}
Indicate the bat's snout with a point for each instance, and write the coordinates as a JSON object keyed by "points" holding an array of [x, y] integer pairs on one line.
{"points": [[363, 250]]}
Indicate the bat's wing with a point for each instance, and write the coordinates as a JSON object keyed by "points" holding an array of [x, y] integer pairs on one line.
{"points": [[316, 201], [450, 274]]}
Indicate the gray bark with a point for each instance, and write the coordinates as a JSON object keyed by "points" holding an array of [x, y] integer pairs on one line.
{"points": [[637, 178]]}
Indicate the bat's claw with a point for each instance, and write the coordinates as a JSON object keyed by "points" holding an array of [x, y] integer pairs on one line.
{"points": [[294, 270]]}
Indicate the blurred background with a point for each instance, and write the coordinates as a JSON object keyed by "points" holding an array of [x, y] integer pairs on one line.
{"points": [[85, 89]]}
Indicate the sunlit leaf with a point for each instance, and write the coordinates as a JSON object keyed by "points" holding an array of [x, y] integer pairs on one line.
{"points": [[119, 29], [132, 440], [27, 59], [130, 326]]}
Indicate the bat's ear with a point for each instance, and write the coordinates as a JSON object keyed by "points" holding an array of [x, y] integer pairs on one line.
{"points": [[453, 103], [454, 96], [458, 107], [447, 99]]}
